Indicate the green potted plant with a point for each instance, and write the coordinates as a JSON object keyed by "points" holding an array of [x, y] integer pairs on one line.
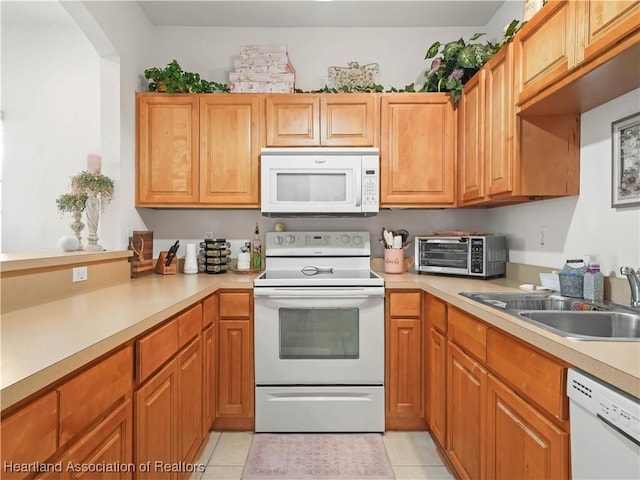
{"points": [[99, 190], [173, 79], [460, 60]]}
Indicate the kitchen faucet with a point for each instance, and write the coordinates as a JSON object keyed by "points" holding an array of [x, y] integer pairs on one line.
{"points": [[634, 283]]}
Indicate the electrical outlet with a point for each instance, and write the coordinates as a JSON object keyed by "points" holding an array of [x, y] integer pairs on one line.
{"points": [[79, 274], [208, 234], [543, 237]]}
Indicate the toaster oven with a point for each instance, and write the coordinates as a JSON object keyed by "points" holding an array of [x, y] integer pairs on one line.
{"points": [[483, 256]]}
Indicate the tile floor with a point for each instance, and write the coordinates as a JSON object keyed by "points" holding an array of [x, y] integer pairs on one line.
{"points": [[413, 456]]}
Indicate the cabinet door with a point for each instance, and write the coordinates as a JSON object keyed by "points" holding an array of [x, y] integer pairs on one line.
{"points": [[30, 435], [349, 120], [500, 122], [546, 47], [404, 374], [156, 425], [208, 379], [189, 366], [109, 443], [602, 23], [235, 374], [522, 443], [417, 150], [471, 136], [437, 385], [230, 149], [293, 120], [466, 407], [167, 149]]}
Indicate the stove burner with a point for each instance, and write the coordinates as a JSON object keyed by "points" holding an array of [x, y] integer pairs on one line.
{"points": [[311, 270]]}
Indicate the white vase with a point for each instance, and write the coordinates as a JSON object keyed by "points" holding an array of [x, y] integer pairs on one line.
{"points": [[92, 209]]}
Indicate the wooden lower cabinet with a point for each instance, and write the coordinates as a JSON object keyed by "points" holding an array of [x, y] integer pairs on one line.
{"points": [[156, 422], [521, 443], [189, 367], [437, 384], [106, 446], [235, 375], [466, 407], [208, 379], [403, 376]]}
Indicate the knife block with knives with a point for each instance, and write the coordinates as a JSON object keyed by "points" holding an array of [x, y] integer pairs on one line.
{"points": [[161, 265], [168, 261]]}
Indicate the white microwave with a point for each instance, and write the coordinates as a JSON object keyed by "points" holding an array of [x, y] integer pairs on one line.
{"points": [[320, 182]]}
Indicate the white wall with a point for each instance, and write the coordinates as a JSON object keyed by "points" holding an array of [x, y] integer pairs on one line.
{"points": [[50, 99], [583, 225]]}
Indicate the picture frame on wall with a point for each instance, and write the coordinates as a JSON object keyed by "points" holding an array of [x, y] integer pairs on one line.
{"points": [[625, 160]]}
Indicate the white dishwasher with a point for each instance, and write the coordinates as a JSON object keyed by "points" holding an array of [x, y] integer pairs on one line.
{"points": [[605, 429]]}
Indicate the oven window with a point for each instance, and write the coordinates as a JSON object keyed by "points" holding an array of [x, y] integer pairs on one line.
{"points": [[312, 187], [319, 333]]}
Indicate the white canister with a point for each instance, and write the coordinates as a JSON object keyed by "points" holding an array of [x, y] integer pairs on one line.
{"points": [[244, 259], [190, 259]]}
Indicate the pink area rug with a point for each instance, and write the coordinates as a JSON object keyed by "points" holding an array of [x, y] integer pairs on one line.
{"points": [[293, 456]]}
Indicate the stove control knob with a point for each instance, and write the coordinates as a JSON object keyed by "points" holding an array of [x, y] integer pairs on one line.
{"points": [[277, 240], [357, 239], [290, 239], [345, 239]]}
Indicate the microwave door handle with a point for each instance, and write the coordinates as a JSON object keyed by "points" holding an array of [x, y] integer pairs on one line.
{"points": [[359, 189]]}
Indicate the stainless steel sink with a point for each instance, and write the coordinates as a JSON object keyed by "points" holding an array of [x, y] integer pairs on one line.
{"points": [[532, 301], [588, 325], [569, 317]]}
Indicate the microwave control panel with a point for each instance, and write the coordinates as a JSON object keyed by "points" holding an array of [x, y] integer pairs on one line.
{"points": [[370, 187]]}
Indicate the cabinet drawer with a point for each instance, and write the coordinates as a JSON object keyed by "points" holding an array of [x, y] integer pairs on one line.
{"points": [[189, 325], [30, 434], [404, 304], [156, 348], [468, 333], [89, 395], [537, 376], [435, 312], [235, 304]]}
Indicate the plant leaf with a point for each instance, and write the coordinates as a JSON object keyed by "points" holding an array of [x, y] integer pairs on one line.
{"points": [[476, 36], [433, 50], [467, 57], [451, 49], [511, 29]]}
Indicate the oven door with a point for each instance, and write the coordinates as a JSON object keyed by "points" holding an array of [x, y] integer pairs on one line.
{"points": [[444, 255], [319, 336]]}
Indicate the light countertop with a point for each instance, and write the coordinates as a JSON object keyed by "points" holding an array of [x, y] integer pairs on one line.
{"points": [[42, 344]]}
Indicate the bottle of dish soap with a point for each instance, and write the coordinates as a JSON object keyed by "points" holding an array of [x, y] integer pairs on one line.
{"points": [[256, 250], [593, 283]]}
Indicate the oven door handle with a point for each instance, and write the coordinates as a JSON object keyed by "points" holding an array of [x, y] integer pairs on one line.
{"points": [[367, 292]]}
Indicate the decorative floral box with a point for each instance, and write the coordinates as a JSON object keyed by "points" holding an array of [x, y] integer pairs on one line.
{"points": [[261, 87], [263, 48], [262, 77]]}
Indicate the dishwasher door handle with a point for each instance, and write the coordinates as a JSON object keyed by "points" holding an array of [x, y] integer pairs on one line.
{"points": [[621, 432]]}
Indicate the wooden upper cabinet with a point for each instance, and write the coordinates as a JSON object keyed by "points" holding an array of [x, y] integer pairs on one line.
{"points": [[417, 150], [332, 120], [349, 120], [471, 128], [546, 47], [603, 23], [499, 122], [166, 149], [230, 149]]}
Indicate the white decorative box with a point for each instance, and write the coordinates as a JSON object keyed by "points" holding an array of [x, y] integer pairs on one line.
{"points": [[262, 77], [261, 87], [263, 48], [267, 57]]}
